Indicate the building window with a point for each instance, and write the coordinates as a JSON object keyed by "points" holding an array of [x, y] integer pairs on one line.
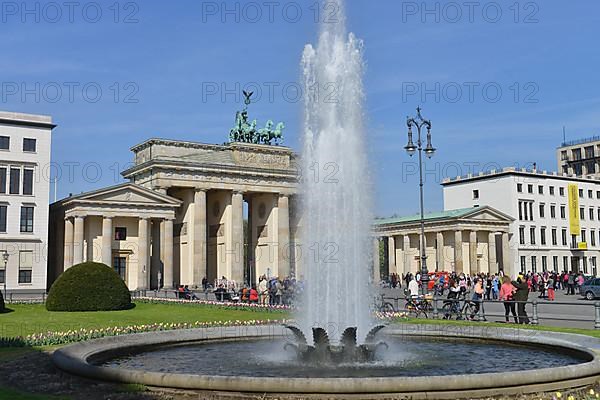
{"points": [[521, 211], [529, 188], [554, 239], [555, 263], [532, 234], [29, 145], [520, 187], [475, 194], [4, 143], [564, 237], [578, 170], [583, 236], [120, 266], [590, 194], [585, 268], [521, 235], [25, 266], [27, 181], [593, 238], [562, 212], [561, 191], [531, 211], [591, 214], [120, 233], [581, 213], [552, 211], [523, 266], [543, 236], [580, 192], [593, 262], [540, 189], [542, 211], [565, 263], [27, 219], [574, 241], [3, 210], [544, 263], [15, 180], [533, 264], [3, 180], [551, 189], [598, 194]]}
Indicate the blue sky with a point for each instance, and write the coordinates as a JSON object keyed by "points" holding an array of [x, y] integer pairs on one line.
{"points": [[156, 63]]}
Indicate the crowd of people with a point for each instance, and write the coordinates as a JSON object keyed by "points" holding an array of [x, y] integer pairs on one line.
{"points": [[514, 293], [270, 290]]}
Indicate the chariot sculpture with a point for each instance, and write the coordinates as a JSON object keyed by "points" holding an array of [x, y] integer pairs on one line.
{"points": [[245, 131]]}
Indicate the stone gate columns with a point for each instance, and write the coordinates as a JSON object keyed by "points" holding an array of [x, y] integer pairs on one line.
{"points": [[506, 254], [473, 252], [107, 236], [458, 252], [376, 269], [392, 255], [78, 240], [167, 256], [143, 267], [492, 253], [68, 245], [406, 253], [200, 240], [236, 239], [155, 262], [439, 251], [283, 235]]}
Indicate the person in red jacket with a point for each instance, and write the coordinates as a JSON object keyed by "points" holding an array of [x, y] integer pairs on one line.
{"points": [[253, 295]]}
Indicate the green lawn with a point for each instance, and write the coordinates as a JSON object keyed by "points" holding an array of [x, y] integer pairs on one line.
{"points": [[33, 318]]}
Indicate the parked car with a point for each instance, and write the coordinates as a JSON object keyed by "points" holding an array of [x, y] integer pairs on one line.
{"points": [[590, 289]]}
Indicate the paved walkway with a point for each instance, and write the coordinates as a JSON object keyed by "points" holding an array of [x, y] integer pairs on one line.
{"points": [[580, 314]]}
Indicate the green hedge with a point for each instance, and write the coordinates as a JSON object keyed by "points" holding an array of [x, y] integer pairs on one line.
{"points": [[88, 286]]}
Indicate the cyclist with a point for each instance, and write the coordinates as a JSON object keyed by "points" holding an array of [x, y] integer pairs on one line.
{"points": [[454, 293], [413, 288]]}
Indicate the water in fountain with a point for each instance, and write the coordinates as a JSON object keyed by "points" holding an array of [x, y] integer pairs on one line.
{"points": [[336, 194]]}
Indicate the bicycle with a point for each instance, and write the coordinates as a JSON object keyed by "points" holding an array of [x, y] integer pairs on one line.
{"points": [[416, 306], [384, 306]]}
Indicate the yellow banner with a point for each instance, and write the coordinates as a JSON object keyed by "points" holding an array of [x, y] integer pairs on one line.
{"points": [[574, 226], [582, 245]]}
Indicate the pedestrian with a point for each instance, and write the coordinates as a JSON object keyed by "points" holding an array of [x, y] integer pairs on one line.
{"points": [[495, 284], [521, 295], [478, 297], [551, 283], [507, 291], [571, 283]]}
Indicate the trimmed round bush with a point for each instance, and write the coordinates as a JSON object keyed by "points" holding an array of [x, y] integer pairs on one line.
{"points": [[2, 309], [88, 286]]}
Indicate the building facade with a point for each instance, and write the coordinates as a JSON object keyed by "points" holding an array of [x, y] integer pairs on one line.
{"points": [[469, 240], [189, 211], [25, 142], [580, 157], [556, 217]]}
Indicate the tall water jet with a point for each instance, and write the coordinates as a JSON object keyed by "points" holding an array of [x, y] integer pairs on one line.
{"points": [[337, 206]]}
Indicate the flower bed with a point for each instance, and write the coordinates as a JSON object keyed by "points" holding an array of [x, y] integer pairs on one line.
{"points": [[227, 304], [59, 338]]}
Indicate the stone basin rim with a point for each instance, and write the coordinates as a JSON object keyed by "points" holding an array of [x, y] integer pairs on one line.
{"points": [[75, 359]]}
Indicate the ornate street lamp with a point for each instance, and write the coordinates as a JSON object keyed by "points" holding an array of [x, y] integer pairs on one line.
{"points": [[5, 258], [419, 122]]}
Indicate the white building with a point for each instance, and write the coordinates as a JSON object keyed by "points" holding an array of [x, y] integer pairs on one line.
{"points": [[24, 190], [552, 230]]}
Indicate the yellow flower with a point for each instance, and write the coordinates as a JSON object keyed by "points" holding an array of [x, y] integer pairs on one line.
{"points": [[571, 397], [592, 391]]}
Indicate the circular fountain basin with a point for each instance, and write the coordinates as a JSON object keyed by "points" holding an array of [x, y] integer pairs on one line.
{"points": [[423, 361]]}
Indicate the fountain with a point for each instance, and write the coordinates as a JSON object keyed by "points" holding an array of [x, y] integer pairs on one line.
{"points": [[416, 361]]}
